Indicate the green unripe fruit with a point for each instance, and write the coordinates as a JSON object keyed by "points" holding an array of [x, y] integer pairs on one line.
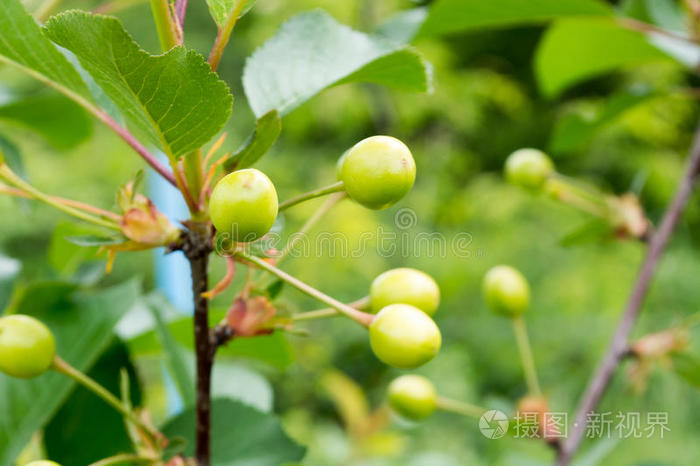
{"points": [[528, 168], [378, 171], [405, 286], [43, 463], [27, 346], [244, 205], [506, 291], [413, 396], [404, 336]]}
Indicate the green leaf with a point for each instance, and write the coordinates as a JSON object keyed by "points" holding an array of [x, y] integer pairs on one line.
{"points": [[94, 240], [60, 121], [22, 45], [174, 99], [687, 365], [221, 10], [273, 349], [312, 52], [66, 255], [174, 356], [403, 26], [574, 131], [449, 16], [242, 435], [574, 50], [65, 435], [267, 130], [82, 323]]}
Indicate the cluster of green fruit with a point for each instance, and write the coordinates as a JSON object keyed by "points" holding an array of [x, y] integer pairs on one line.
{"points": [[376, 173], [507, 293], [403, 334]]}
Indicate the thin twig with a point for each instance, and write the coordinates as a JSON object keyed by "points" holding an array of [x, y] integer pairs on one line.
{"points": [[360, 317], [181, 10], [643, 27], [619, 343], [225, 281], [8, 176], [62, 200], [224, 33]]}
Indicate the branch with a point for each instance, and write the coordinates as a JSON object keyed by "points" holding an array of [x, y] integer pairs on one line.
{"points": [[223, 34], [101, 115], [181, 10], [619, 343], [197, 248], [169, 32]]}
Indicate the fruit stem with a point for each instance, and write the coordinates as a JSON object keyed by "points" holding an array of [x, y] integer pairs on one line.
{"points": [[330, 312], [61, 366], [581, 196], [310, 223], [533, 386], [333, 188], [9, 177], [360, 317], [460, 407]]}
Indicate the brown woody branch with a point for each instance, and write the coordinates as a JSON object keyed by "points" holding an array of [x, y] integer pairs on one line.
{"points": [[618, 347]]}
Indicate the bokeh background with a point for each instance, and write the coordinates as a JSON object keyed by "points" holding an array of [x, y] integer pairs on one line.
{"points": [[327, 387]]}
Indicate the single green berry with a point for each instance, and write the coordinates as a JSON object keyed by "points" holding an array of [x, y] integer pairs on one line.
{"points": [[43, 463], [378, 171], [413, 396], [506, 291], [528, 168], [27, 346], [403, 336], [405, 286], [244, 205]]}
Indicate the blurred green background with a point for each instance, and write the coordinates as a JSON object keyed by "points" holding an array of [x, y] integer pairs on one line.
{"points": [[485, 105]]}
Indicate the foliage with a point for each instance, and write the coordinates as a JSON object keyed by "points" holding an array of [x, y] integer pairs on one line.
{"points": [[610, 98]]}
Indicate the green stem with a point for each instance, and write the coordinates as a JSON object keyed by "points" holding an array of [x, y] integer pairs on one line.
{"points": [[9, 177], [311, 222], [193, 173], [223, 35], [360, 317], [581, 196], [61, 366], [460, 407], [528, 361], [124, 458], [167, 32], [333, 188], [360, 304]]}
